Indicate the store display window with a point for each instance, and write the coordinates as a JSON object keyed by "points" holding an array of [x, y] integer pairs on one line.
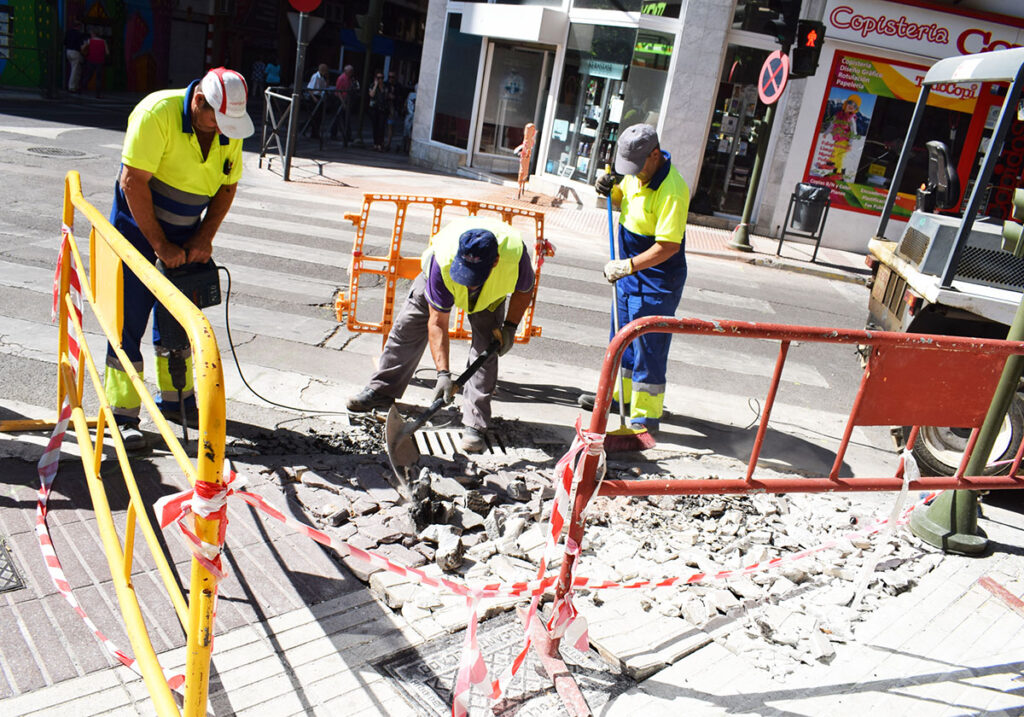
{"points": [[613, 77], [863, 123], [455, 92], [590, 99], [732, 140]]}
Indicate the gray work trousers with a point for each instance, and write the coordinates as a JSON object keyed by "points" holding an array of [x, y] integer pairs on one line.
{"points": [[408, 339]]}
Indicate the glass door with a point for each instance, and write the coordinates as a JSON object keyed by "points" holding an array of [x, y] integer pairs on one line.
{"points": [[516, 84]]}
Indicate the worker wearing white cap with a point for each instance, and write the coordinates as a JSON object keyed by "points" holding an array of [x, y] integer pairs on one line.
{"points": [[180, 164]]}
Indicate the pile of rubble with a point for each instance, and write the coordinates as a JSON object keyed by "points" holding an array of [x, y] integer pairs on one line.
{"points": [[778, 617], [484, 522]]}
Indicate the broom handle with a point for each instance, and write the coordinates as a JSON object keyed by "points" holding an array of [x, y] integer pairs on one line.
{"points": [[614, 250]]}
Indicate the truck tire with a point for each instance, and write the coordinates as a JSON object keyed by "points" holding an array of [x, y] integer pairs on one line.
{"points": [[938, 450]]}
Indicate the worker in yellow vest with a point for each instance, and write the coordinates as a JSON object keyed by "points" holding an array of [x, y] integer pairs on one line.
{"points": [[474, 264]]}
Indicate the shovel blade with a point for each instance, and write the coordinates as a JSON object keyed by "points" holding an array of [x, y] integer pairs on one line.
{"points": [[402, 450]]}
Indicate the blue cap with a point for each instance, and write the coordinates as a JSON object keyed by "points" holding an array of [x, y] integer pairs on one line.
{"points": [[478, 248]]}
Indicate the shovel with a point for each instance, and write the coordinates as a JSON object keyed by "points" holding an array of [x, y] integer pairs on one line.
{"points": [[402, 450]]}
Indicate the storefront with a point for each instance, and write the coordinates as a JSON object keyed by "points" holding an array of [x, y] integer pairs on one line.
{"points": [[581, 74], [583, 71], [856, 109]]}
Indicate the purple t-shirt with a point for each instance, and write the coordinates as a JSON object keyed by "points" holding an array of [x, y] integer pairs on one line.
{"points": [[441, 299]]}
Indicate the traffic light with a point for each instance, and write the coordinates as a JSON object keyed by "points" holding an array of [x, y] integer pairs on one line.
{"points": [[783, 24], [809, 37], [1013, 242], [367, 25], [754, 16]]}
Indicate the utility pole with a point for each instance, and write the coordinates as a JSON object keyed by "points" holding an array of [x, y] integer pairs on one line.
{"points": [[741, 236]]}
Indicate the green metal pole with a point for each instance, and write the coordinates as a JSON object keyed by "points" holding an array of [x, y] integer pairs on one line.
{"points": [[951, 521], [741, 237]]}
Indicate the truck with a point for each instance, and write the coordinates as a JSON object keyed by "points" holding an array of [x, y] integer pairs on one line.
{"points": [[951, 270]]}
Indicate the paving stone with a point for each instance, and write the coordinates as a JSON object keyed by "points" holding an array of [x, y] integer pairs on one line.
{"points": [[376, 486], [447, 488], [401, 555], [450, 550]]}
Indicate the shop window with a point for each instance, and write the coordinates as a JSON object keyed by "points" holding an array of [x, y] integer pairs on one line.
{"points": [[862, 125], [514, 84], [648, 73], [732, 141], [590, 99], [457, 85]]}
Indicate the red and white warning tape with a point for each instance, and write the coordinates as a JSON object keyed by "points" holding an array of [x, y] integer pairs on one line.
{"points": [[48, 464], [209, 500]]}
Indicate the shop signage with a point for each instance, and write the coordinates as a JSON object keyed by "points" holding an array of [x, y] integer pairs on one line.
{"points": [[653, 48], [601, 68], [774, 73], [917, 30], [854, 154]]}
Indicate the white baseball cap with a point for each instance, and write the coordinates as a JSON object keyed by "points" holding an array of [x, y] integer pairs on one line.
{"points": [[226, 92]]}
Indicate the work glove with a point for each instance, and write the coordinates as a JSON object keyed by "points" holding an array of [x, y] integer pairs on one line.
{"points": [[445, 387], [507, 336], [605, 182], [617, 268]]}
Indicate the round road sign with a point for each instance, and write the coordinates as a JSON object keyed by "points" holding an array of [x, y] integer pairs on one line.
{"points": [[774, 73], [305, 5]]}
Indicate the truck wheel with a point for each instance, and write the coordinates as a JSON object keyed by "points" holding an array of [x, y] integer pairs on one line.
{"points": [[938, 450]]}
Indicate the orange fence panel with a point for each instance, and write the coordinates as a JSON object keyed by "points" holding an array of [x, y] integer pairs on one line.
{"points": [[394, 266]]}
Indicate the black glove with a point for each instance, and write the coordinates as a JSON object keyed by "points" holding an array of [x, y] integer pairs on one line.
{"points": [[605, 182], [508, 337], [445, 387]]}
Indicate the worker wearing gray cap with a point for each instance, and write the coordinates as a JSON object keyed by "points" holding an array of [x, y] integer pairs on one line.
{"points": [[651, 271]]}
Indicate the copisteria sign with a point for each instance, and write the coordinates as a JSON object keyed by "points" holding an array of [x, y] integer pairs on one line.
{"points": [[919, 30]]}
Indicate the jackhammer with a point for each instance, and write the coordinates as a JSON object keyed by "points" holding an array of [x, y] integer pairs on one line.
{"points": [[201, 285]]}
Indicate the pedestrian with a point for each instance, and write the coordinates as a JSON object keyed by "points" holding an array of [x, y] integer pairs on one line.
{"points": [[346, 88], [180, 165], [410, 110], [272, 73], [74, 38], [378, 102], [651, 271], [393, 106], [473, 264], [317, 98], [257, 79], [95, 51]]}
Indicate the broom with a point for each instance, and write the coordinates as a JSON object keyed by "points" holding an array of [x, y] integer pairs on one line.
{"points": [[624, 439]]}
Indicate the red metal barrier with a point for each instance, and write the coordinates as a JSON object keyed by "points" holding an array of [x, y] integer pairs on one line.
{"points": [[909, 380]]}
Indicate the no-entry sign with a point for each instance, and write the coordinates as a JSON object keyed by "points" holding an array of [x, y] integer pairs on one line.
{"points": [[305, 5], [774, 73]]}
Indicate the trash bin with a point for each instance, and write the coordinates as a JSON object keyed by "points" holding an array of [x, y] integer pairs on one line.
{"points": [[809, 202]]}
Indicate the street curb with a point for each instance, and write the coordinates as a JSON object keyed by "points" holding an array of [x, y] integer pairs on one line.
{"points": [[773, 264]]}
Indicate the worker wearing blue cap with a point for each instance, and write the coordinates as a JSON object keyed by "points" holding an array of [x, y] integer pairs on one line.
{"points": [[473, 264]]}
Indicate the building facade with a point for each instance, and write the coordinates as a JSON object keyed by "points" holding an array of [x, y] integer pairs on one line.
{"points": [[583, 70]]}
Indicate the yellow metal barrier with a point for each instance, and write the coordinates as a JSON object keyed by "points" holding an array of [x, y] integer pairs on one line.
{"points": [[394, 266], [101, 288]]}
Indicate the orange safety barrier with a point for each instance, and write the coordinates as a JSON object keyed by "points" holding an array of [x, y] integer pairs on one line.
{"points": [[909, 380], [394, 266], [525, 152]]}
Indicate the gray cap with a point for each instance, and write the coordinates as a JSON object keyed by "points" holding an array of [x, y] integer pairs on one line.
{"points": [[635, 144]]}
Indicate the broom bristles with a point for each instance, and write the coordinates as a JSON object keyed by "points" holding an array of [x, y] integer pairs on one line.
{"points": [[628, 440]]}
